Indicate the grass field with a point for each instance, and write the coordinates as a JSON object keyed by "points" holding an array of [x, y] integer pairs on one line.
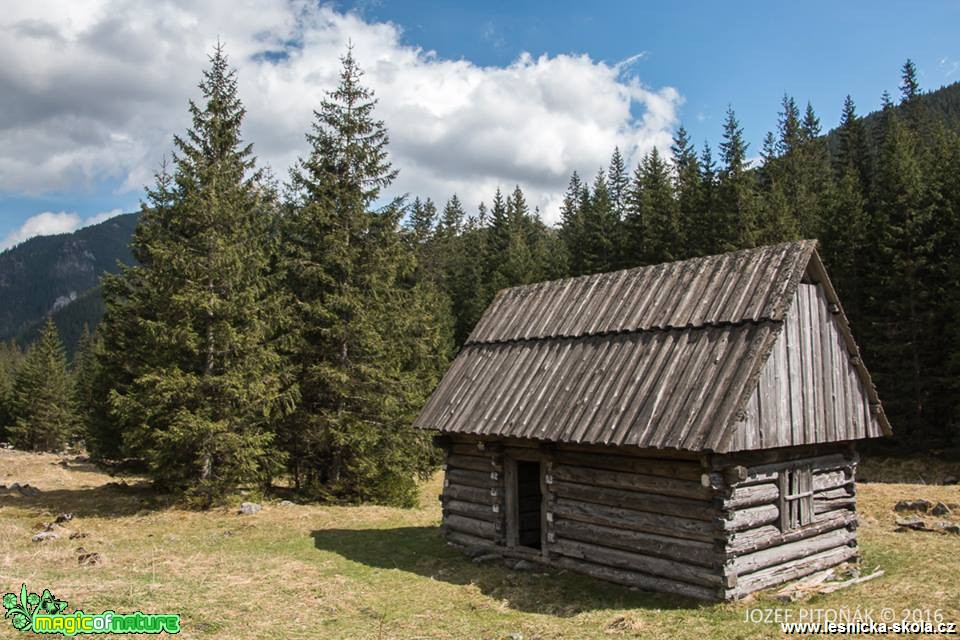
{"points": [[373, 572]]}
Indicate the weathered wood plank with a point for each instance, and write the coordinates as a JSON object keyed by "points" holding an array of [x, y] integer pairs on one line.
{"points": [[678, 469], [769, 535], [653, 503], [782, 382], [511, 502], [768, 456], [823, 506], [629, 450], [634, 481], [472, 526], [749, 434], [467, 449], [751, 562], [472, 463], [830, 479], [838, 492], [470, 494], [470, 478], [795, 378], [767, 405], [828, 368], [751, 517], [634, 520], [694, 551], [467, 540], [639, 580], [820, 398], [620, 559], [751, 495], [793, 569], [471, 510], [768, 472], [808, 391]]}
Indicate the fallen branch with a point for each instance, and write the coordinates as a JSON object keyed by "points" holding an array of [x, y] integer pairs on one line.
{"points": [[830, 587], [818, 584]]}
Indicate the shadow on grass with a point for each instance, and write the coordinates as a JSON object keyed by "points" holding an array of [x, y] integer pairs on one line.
{"points": [[423, 551], [111, 500]]}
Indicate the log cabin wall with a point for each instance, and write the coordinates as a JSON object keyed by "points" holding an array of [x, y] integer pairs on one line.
{"points": [[641, 521], [652, 523], [473, 496], [703, 526], [770, 540]]}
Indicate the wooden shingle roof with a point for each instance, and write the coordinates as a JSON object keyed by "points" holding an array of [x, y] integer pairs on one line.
{"points": [[664, 356]]}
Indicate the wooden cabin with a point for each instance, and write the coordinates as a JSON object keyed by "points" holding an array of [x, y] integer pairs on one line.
{"points": [[688, 427]]}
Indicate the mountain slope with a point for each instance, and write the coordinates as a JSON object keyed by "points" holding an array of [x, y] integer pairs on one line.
{"points": [[70, 319], [46, 273]]}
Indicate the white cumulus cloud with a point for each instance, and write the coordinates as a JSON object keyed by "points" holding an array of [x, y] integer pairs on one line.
{"points": [[51, 223], [94, 89]]}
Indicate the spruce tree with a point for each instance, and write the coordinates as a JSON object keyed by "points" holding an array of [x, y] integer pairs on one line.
{"points": [[423, 218], [571, 224], [452, 218], [85, 374], [664, 242], [617, 183], [689, 192], [909, 85], [843, 242], [469, 290], [513, 261], [367, 342], [852, 150], [43, 411], [789, 126], [899, 296], [735, 191], [600, 237], [704, 240], [814, 194], [189, 371], [421, 226], [635, 227]]}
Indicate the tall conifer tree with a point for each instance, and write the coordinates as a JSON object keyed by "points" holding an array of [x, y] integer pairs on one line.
{"points": [[601, 244], [188, 369], [664, 241], [689, 192], [43, 410], [571, 224], [735, 190], [367, 343], [617, 182]]}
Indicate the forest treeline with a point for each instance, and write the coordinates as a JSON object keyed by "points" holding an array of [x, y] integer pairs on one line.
{"points": [[296, 329]]}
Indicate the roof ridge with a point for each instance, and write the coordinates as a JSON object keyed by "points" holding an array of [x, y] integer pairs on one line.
{"points": [[624, 332], [586, 276]]}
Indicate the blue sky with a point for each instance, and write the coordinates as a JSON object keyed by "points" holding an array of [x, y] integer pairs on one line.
{"points": [[714, 53], [89, 105]]}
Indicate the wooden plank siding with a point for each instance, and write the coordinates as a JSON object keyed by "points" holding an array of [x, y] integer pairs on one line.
{"points": [[809, 390]]}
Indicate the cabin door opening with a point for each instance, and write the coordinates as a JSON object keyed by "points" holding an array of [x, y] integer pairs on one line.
{"points": [[529, 504]]}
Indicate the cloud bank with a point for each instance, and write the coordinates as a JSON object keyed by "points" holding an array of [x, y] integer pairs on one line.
{"points": [[93, 91]]}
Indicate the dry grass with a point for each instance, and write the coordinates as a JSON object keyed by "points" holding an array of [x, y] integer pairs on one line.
{"points": [[372, 572], [926, 469]]}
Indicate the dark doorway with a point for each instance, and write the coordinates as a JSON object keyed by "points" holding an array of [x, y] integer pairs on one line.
{"points": [[529, 501]]}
